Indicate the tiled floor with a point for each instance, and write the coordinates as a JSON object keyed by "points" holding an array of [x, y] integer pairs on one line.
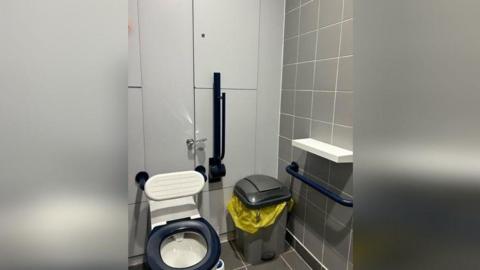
{"points": [[289, 260]]}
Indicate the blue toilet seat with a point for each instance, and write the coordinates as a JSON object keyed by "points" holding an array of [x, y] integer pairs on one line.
{"points": [[200, 226]]}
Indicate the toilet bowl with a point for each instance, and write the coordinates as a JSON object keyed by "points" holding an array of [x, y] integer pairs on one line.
{"points": [[180, 238], [187, 244]]}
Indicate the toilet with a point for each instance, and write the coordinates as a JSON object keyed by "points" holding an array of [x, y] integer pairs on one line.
{"points": [[179, 238]]}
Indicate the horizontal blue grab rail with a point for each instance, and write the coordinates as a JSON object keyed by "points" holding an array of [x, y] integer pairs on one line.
{"points": [[292, 169]]}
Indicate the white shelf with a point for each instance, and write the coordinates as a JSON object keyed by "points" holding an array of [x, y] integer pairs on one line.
{"points": [[325, 150]]}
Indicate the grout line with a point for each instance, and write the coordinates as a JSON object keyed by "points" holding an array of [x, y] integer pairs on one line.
{"points": [[314, 73], [319, 28], [237, 252], [295, 80], [334, 58], [300, 6], [303, 260], [306, 249], [336, 76], [301, 117], [345, 126], [330, 25], [350, 247], [318, 60], [303, 90], [298, 63], [285, 261], [333, 121]]}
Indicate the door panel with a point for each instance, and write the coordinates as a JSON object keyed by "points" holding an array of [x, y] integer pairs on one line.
{"points": [[167, 73], [229, 44], [416, 166]]}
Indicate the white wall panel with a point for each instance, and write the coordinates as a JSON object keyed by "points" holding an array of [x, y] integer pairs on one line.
{"points": [[230, 44], [136, 152], [269, 85], [134, 73], [213, 207], [167, 73], [137, 228]]}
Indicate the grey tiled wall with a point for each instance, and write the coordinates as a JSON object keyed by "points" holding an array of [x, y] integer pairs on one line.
{"points": [[317, 101]]}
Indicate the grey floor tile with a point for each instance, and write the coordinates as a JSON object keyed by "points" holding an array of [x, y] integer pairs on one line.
{"points": [[276, 264], [231, 259], [295, 261]]}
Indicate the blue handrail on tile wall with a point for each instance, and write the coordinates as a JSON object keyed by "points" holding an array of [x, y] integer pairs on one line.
{"points": [[293, 169]]}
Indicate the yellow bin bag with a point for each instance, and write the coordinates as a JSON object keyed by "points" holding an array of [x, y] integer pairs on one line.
{"points": [[251, 220]]}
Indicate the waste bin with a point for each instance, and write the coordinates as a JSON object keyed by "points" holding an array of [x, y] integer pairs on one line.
{"points": [[259, 211]]}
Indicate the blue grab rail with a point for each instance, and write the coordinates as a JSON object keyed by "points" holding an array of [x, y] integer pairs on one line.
{"points": [[293, 168]]}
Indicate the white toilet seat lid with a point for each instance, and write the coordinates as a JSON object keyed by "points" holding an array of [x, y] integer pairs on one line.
{"points": [[175, 185]]}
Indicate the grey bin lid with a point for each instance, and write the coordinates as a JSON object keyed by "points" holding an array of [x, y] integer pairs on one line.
{"points": [[257, 191]]}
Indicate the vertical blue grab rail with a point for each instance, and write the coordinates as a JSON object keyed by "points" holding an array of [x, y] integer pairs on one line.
{"points": [[293, 169], [217, 169]]}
